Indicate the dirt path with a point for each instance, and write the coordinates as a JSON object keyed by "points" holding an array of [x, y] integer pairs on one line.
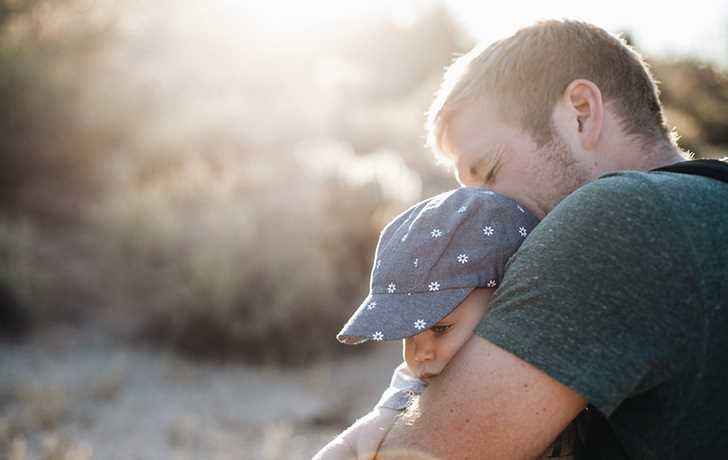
{"points": [[81, 396]]}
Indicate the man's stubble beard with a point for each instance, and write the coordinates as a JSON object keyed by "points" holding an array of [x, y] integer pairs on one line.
{"points": [[560, 173]]}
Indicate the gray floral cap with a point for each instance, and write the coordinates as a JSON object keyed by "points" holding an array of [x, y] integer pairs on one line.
{"points": [[430, 257]]}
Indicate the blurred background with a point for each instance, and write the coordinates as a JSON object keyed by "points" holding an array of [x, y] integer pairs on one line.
{"points": [[191, 192]]}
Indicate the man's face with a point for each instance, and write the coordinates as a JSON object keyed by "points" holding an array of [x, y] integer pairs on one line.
{"points": [[428, 352], [538, 177]]}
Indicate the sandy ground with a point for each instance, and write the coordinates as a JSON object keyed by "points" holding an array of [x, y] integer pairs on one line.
{"points": [[75, 396]]}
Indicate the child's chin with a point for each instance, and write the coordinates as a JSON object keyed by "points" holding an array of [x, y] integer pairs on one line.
{"points": [[427, 376]]}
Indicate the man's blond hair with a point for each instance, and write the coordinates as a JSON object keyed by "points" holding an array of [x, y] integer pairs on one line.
{"points": [[525, 74]]}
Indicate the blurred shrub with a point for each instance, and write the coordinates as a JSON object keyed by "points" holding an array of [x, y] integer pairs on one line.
{"points": [[49, 151], [16, 280], [223, 259], [47, 276], [695, 95], [145, 208], [49, 158]]}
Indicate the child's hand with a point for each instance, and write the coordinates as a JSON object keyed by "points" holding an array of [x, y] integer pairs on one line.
{"points": [[362, 439]]}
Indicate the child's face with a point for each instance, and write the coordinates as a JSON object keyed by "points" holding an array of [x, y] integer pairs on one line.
{"points": [[428, 352]]}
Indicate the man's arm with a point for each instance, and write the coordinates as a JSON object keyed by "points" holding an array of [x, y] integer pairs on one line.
{"points": [[486, 404]]}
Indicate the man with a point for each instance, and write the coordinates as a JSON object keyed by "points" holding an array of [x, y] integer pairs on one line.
{"points": [[617, 299]]}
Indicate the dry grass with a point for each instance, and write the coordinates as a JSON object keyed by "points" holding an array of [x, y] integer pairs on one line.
{"points": [[85, 397], [41, 407], [41, 410], [52, 448]]}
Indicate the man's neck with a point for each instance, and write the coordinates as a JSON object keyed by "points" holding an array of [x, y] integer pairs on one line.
{"points": [[658, 155]]}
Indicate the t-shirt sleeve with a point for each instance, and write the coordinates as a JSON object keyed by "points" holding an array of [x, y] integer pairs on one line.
{"points": [[599, 295], [402, 388]]}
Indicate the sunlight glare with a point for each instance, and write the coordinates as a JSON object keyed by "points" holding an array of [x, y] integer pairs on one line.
{"points": [[291, 15], [657, 27]]}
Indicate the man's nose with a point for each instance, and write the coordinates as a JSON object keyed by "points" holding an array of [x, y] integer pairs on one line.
{"points": [[424, 347]]}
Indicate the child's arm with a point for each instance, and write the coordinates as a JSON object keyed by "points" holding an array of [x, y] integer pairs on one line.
{"points": [[338, 448], [361, 440]]}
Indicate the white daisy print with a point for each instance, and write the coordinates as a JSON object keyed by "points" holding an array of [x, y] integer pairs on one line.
{"points": [[492, 283], [420, 324], [463, 258], [434, 286], [522, 231], [416, 262], [436, 233], [372, 306], [379, 262], [488, 231], [378, 336], [404, 238], [462, 209], [391, 288]]}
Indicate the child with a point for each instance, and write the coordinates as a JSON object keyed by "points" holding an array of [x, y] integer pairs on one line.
{"points": [[436, 266]]}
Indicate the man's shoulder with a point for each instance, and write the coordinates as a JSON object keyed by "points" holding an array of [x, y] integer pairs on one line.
{"points": [[657, 182], [632, 184], [663, 178], [612, 188], [629, 213], [639, 194], [612, 202]]}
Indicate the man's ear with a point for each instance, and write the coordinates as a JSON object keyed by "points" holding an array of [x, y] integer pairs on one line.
{"points": [[584, 102]]}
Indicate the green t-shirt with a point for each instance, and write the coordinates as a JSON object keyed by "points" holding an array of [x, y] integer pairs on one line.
{"points": [[621, 293]]}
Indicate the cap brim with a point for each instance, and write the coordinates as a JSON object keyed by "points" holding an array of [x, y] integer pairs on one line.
{"points": [[395, 316]]}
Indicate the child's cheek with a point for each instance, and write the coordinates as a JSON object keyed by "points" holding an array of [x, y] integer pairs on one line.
{"points": [[454, 344], [408, 354]]}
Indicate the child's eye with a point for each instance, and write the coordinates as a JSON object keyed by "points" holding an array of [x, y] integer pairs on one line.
{"points": [[440, 328]]}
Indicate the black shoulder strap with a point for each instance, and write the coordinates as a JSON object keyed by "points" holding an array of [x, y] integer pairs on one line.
{"points": [[715, 169]]}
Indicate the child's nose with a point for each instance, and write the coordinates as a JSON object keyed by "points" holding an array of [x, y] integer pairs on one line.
{"points": [[424, 347]]}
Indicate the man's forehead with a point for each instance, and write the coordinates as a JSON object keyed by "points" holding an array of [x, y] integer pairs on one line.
{"points": [[469, 148], [471, 131]]}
